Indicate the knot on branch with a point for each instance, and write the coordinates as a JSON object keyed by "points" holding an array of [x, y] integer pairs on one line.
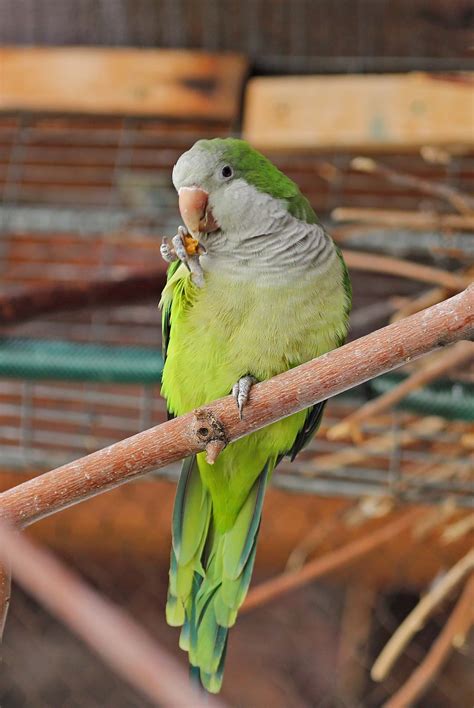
{"points": [[210, 433]]}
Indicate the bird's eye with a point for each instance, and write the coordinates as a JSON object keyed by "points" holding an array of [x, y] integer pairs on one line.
{"points": [[227, 171]]}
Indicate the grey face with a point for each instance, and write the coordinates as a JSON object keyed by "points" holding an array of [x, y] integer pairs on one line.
{"points": [[246, 232], [239, 210], [201, 167]]}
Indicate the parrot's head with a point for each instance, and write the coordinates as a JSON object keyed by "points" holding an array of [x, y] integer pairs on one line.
{"points": [[225, 185]]}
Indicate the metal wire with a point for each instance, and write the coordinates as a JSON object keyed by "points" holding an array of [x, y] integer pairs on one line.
{"points": [[82, 195]]}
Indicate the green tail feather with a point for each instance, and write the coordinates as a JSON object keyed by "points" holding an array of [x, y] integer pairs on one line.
{"points": [[210, 571]]}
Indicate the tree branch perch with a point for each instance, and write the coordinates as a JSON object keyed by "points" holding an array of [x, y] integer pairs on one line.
{"points": [[287, 393], [29, 303], [418, 616], [107, 629], [462, 202], [450, 636], [329, 562], [397, 218], [460, 353]]}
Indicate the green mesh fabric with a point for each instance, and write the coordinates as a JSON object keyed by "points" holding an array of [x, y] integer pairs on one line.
{"points": [[70, 361], [32, 359], [452, 400]]}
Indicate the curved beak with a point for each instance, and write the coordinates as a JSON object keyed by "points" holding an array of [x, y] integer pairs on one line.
{"points": [[195, 211]]}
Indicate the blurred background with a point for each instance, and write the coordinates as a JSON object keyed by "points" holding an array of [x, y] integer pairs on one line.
{"points": [[98, 98]]}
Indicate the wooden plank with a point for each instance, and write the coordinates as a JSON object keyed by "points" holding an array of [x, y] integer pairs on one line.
{"points": [[138, 517], [360, 112], [170, 83]]}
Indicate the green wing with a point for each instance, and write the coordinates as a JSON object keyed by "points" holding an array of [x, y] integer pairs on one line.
{"points": [[166, 312], [307, 432], [166, 304]]}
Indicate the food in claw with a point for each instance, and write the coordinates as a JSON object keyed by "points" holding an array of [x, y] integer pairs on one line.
{"points": [[183, 247], [191, 245], [272, 291]]}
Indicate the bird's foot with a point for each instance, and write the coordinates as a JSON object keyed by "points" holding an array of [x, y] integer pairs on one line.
{"points": [[175, 249], [241, 391], [185, 248], [167, 251]]}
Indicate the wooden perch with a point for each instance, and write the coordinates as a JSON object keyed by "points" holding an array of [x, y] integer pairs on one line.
{"points": [[287, 393], [452, 635], [457, 530], [418, 616], [406, 269], [461, 352], [425, 299], [109, 631], [365, 449], [328, 563], [463, 203], [395, 218], [28, 303]]}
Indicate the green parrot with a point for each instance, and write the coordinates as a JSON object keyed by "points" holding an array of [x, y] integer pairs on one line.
{"points": [[267, 290]]}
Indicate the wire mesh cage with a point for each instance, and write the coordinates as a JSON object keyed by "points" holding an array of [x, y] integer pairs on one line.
{"points": [[303, 36], [86, 199], [58, 231]]}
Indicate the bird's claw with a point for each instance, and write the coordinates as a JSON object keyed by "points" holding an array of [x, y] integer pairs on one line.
{"points": [[176, 250], [241, 391], [167, 251], [180, 246]]}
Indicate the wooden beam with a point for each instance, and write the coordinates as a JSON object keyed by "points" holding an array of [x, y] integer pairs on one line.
{"points": [[138, 516], [360, 112], [169, 83], [219, 421]]}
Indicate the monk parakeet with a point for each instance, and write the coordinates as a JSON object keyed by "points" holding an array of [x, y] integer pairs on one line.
{"points": [[271, 292]]}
